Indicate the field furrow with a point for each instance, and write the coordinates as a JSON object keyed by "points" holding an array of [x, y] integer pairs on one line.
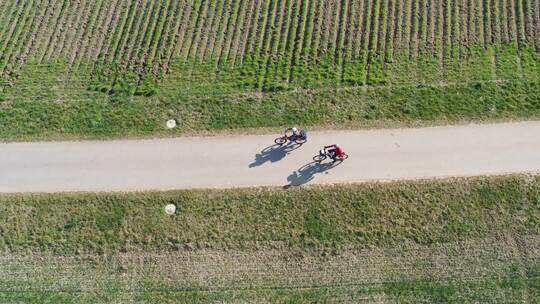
{"points": [[398, 27], [233, 32], [488, 34], [114, 29], [304, 31], [512, 22], [37, 43], [119, 28], [183, 37], [284, 27], [262, 28], [439, 34], [29, 31], [536, 18], [85, 41], [146, 60], [75, 30], [130, 42], [250, 33], [121, 49], [424, 26], [326, 26], [211, 35], [496, 22], [390, 31], [366, 30], [432, 26], [307, 50], [279, 71], [471, 21], [101, 39], [371, 50], [200, 44], [317, 29], [9, 28], [268, 35], [480, 21], [343, 31], [192, 46], [6, 16], [17, 37], [414, 29], [162, 31], [36, 30], [356, 30], [222, 30], [175, 32], [268, 42], [353, 29], [85, 26], [383, 27], [293, 37], [520, 20], [503, 13], [141, 30], [407, 27], [254, 30], [456, 30], [67, 31], [373, 35], [529, 23], [446, 29], [242, 20], [241, 44], [334, 29], [463, 22]]}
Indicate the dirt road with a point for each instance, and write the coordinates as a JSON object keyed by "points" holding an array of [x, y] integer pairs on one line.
{"points": [[232, 161]]}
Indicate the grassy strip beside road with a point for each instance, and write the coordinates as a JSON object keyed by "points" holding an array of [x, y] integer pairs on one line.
{"points": [[458, 240], [71, 112], [357, 216]]}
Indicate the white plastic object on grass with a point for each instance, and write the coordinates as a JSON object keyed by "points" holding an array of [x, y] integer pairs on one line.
{"points": [[171, 123], [170, 209]]}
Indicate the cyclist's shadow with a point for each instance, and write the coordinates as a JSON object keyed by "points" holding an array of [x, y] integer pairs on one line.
{"points": [[273, 153], [307, 172]]}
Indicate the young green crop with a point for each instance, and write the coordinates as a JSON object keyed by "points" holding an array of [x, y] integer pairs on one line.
{"points": [[185, 49]]}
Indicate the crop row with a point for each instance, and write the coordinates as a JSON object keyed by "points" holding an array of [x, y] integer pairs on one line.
{"points": [[278, 37]]}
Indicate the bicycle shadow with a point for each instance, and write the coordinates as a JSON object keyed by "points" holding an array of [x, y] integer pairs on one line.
{"points": [[273, 153], [307, 173]]}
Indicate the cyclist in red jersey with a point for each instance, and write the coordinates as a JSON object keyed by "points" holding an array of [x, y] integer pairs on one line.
{"points": [[334, 150]]}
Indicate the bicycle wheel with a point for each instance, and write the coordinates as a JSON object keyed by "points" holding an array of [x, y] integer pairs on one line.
{"points": [[280, 140], [300, 140], [344, 156], [319, 158]]}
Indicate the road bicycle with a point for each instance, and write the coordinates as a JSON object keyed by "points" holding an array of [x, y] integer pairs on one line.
{"points": [[289, 135], [324, 154]]}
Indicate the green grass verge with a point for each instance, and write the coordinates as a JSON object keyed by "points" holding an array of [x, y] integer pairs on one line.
{"points": [[448, 241], [106, 101], [349, 215], [96, 116]]}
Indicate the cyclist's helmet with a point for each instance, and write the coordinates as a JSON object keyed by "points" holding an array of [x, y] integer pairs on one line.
{"points": [[294, 129]]}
